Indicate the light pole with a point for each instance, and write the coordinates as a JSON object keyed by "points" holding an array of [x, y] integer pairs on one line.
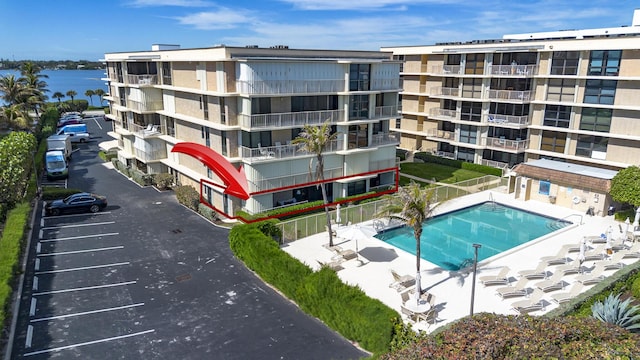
{"points": [[473, 284]]}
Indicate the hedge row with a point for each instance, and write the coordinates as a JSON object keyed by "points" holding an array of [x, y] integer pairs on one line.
{"points": [[322, 294], [10, 249], [459, 164]]}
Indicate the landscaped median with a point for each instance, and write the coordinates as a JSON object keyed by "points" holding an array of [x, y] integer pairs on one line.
{"points": [[346, 309]]}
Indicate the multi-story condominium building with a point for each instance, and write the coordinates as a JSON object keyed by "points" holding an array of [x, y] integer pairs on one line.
{"points": [[248, 104], [570, 96]]}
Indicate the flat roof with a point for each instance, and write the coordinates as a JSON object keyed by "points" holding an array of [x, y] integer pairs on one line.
{"points": [[573, 168]]}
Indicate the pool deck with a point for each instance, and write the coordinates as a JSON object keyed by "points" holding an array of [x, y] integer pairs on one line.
{"points": [[452, 289]]}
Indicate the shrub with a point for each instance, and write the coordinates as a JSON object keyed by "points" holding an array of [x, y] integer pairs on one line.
{"points": [[163, 181], [635, 288], [459, 164], [188, 196], [141, 178], [107, 156], [10, 249], [614, 311], [207, 212], [53, 193], [121, 167], [270, 228]]}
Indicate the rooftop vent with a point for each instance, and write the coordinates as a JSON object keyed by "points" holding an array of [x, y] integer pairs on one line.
{"points": [[252, 46], [279, 47], [161, 47]]}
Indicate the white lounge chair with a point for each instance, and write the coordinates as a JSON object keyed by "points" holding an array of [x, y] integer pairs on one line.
{"points": [[566, 296], [596, 254], [538, 273], [595, 276], [500, 278], [633, 251], [401, 282], [553, 283], [333, 265], [534, 303], [559, 258], [574, 267], [519, 289]]}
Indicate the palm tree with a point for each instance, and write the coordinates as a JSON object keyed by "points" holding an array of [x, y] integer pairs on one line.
{"points": [[100, 93], [71, 94], [314, 140], [13, 89], [90, 94], [57, 95], [15, 116], [414, 206]]}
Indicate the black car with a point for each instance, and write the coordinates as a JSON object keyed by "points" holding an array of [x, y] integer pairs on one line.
{"points": [[81, 202]]}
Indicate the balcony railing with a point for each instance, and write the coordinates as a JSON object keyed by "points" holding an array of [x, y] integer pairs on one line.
{"points": [[290, 180], [146, 131], [445, 154], [382, 164], [499, 119], [495, 164], [385, 139], [281, 151], [290, 86], [443, 113], [386, 111], [441, 134], [446, 69], [511, 95], [144, 106], [513, 70], [291, 119], [506, 144], [385, 84], [444, 91], [151, 155], [145, 79]]}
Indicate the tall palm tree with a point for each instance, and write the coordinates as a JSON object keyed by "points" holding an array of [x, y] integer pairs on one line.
{"points": [[57, 95], [100, 93], [71, 94], [314, 140], [14, 116], [90, 94], [13, 89], [414, 206]]}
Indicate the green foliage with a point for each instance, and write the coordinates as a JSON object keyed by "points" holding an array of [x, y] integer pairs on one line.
{"points": [[343, 307], [404, 335], [401, 154], [163, 181], [107, 156], [355, 196], [614, 311], [283, 210], [270, 228], [54, 193], [10, 250], [141, 178], [207, 212], [625, 186], [188, 196], [488, 170], [121, 167], [16, 162], [635, 288], [490, 336]]}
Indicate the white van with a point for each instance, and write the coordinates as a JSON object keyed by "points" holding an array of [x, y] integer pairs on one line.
{"points": [[77, 132], [56, 165]]}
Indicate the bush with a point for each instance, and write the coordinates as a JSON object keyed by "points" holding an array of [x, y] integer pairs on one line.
{"points": [[188, 196], [459, 164], [271, 229], [141, 178], [10, 250], [635, 288], [121, 167], [53, 193], [207, 212], [163, 181], [107, 156]]}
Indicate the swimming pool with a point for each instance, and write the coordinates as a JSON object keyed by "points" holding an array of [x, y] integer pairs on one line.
{"points": [[447, 239]]}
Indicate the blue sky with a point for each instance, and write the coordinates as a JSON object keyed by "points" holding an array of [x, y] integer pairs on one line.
{"points": [[74, 30]]}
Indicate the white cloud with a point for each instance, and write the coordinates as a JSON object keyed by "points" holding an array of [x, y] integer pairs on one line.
{"points": [[401, 5], [222, 18], [180, 3]]}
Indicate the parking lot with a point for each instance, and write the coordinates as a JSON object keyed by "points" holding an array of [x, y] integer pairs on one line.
{"points": [[148, 279]]}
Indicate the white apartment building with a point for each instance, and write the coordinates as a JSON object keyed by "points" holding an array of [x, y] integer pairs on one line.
{"points": [[569, 96], [248, 104]]}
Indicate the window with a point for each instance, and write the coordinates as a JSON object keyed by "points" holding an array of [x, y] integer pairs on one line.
{"points": [[595, 119], [166, 73], [553, 141], [544, 187], [449, 104], [358, 136], [565, 63], [223, 111], [600, 92], [223, 136], [509, 109], [359, 77], [453, 59], [472, 88], [466, 154], [252, 139], [450, 82], [314, 103], [605, 62], [468, 134], [594, 147], [359, 107], [204, 100], [471, 111], [356, 187], [557, 116], [205, 135], [474, 64], [561, 90]]}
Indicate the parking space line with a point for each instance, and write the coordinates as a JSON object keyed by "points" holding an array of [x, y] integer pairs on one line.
{"points": [[72, 215], [81, 251], [81, 268], [78, 225], [35, 284], [78, 237], [36, 266], [84, 288], [88, 343], [59, 317], [27, 342], [32, 309]]}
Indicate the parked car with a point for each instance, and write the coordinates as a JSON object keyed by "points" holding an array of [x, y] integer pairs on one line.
{"points": [[69, 121], [80, 202]]}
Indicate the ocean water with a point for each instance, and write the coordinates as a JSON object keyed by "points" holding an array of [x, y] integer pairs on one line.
{"points": [[77, 80]]}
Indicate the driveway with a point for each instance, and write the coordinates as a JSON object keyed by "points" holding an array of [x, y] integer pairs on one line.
{"points": [[149, 279]]}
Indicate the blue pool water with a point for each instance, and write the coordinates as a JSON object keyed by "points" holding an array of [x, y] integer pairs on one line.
{"points": [[447, 239]]}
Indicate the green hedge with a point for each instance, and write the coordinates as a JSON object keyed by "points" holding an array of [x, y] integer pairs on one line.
{"points": [[10, 249], [53, 193], [207, 212], [459, 164], [188, 196], [322, 294], [124, 169], [141, 178]]}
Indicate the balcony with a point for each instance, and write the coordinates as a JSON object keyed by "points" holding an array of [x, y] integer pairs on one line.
{"points": [[513, 70], [510, 95], [147, 131], [144, 79], [290, 180], [444, 91], [445, 114], [291, 119], [148, 156], [445, 154], [384, 139], [499, 119], [281, 151], [440, 134], [414, 67], [382, 164], [385, 84], [390, 111], [290, 86], [495, 164], [139, 106], [446, 69], [506, 144]]}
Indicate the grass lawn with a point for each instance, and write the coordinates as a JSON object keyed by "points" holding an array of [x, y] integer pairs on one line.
{"points": [[438, 172]]}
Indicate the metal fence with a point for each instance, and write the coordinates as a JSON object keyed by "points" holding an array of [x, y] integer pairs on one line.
{"points": [[302, 227]]}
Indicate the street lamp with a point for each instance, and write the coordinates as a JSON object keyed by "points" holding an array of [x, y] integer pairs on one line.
{"points": [[473, 284]]}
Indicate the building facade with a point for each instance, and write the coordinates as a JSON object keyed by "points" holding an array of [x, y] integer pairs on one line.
{"points": [[569, 96], [248, 104]]}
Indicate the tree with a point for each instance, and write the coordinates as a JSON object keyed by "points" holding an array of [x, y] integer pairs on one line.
{"points": [[314, 140], [100, 93], [90, 94], [71, 94], [625, 186], [13, 89], [15, 117], [57, 95], [413, 206]]}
